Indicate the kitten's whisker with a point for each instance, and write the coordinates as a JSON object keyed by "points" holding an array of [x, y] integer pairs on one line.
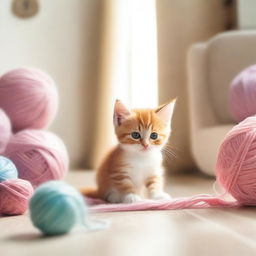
{"points": [[173, 148], [169, 154], [170, 150], [168, 158]]}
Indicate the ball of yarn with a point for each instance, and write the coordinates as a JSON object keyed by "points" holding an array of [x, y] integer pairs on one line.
{"points": [[236, 162], [14, 196], [38, 155], [7, 169], [56, 207], [29, 97], [5, 130], [242, 94]]}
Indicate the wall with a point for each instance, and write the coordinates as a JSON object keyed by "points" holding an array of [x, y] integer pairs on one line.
{"points": [[61, 39], [246, 14], [180, 24]]}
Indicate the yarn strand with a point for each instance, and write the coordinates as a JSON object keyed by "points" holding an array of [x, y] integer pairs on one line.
{"points": [[200, 201]]}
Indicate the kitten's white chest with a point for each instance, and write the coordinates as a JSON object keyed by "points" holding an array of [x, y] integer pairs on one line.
{"points": [[143, 165]]}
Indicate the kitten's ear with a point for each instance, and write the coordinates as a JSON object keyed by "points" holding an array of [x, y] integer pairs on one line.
{"points": [[121, 112], [165, 111]]}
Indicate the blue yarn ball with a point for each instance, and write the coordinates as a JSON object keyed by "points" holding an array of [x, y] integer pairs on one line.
{"points": [[56, 208], [8, 170]]}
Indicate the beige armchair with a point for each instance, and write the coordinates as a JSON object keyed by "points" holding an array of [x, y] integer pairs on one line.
{"points": [[211, 68]]}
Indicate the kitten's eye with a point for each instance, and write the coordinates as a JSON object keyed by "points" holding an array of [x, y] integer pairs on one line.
{"points": [[135, 135], [153, 136]]}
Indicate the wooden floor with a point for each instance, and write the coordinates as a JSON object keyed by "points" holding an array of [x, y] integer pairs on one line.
{"points": [[182, 232]]}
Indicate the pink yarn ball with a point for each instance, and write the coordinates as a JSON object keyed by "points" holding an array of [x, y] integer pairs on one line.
{"points": [[29, 97], [5, 130], [242, 94], [14, 196], [236, 163], [38, 155]]}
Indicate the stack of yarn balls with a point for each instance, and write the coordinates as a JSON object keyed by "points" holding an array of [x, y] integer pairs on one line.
{"points": [[14, 193], [28, 104], [236, 162]]}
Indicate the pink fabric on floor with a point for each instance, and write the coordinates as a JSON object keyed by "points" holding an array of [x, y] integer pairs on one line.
{"points": [[196, 202]]}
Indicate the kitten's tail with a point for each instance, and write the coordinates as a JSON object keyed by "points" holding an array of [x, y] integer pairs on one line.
{"points": [[90, 192]]}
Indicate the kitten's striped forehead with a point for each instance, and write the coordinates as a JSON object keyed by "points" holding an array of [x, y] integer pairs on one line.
{"points": [[146, 119]]}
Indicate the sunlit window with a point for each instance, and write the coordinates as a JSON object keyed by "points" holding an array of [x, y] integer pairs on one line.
{"points": [[135, 56]]}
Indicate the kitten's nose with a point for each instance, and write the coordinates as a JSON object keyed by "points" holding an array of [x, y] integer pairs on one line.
{"points": [[144, 144]]}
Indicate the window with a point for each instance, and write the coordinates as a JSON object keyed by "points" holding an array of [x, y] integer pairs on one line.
{"points": [[135, 52]]}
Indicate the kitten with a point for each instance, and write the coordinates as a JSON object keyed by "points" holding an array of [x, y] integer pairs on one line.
{"points": [[136, 162]]}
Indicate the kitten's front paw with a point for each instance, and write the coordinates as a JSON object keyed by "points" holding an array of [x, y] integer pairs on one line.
{"points": [[131, 198], [113, 197], [160, 196]]}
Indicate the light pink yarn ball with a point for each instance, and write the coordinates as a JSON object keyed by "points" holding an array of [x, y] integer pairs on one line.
{"points": [[29, 97], [14, 196], [5, 130], [242, 94], [38, 155], [236, 163]]}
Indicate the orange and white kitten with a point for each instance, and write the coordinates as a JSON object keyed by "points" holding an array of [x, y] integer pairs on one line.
{"points": [[136, 162]]}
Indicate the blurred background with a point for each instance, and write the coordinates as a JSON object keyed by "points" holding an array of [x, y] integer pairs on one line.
{"points": [[100, 50]]}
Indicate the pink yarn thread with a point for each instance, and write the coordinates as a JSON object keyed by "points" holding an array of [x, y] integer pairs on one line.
{"points": [[242, 94], [14, 196], [5, 130], [195, 202], [235, 171], [29, 97], [38, 155]]}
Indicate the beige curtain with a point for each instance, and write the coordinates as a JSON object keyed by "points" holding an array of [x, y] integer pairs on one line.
{"points": [[103, 136]]}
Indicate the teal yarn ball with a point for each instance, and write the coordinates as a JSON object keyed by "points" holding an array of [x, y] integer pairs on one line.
{"points": [[8, 170], [56, 208]]}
